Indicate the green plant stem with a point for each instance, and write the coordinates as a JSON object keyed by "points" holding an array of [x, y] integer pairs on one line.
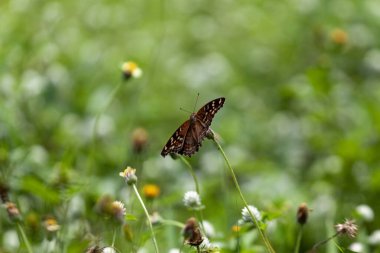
{"points": [[24, 238], [299, 237], [323, 242], [263, 236], [192, 172], [186, 162], [147, 216], [113, 238]]}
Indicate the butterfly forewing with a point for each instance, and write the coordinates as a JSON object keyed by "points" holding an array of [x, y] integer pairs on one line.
{"points": [[187, 139], [208, 111]]}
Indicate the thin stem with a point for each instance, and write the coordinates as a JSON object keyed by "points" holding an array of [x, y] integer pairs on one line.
{"points": [[24, 238], [262, 235], [113, 238], [185, 161], [299, 238], [147, 216], [324, 241], [192, 172]]}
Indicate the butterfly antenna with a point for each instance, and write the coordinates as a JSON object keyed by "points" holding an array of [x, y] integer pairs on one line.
{"points": [[196, 101], [184, 110]]}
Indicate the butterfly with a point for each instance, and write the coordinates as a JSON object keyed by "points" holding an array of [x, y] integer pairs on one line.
{"points": [[187, 139]]}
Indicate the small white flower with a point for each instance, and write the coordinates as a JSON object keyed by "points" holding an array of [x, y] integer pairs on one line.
{"points": [[209, 229], [356, 247], [109, 250], [205, 243], [246, 215], [374, 238], [174, 251], [365, 212], [129, 174], [192, 199]]}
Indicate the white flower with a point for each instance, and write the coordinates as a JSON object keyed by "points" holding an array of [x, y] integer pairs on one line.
{"points": [[374, 238], [174, 250], [246, 215], [205, 243], [356, 247], [109, 250], [209, 229], [365, 212], [129, 174], [192, 199]]}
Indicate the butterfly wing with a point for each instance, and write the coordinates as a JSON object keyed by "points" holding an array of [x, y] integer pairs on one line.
{"points": [[176, 141], [208, 111], [187, 139]]}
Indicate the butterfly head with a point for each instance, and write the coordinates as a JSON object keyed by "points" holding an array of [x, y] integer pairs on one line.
{"points": [[193, 118]]}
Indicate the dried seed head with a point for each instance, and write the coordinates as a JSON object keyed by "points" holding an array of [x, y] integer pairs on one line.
{"points": [[94, 249], [210, 134], [139, 140], [118, 210], [4, 192], [302, 214], [13, 212], [339, 36], [348, 228], [191, 233]]}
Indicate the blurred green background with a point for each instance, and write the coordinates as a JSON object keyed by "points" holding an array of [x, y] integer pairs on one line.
{"points": [[300, 123]]}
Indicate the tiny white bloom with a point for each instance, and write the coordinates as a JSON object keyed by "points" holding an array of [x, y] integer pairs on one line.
{"points": [[174, 250], [374, 238], [192, 199], [109, 250], [209, 229], [246, 215], [129, 174], [365, 212], [206, 243], [356, 247]]}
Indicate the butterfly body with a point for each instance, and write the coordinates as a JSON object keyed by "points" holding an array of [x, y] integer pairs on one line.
{"points": [[187, 139]]}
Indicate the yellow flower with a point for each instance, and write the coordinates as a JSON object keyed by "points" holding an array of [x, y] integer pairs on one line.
{"points": [[339, 36], [130, 69], [236, 228], [151, 191], [51, 225]]}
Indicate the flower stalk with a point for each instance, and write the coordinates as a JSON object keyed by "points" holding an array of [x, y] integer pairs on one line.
{"points": [[262, 234], [148, 217]]}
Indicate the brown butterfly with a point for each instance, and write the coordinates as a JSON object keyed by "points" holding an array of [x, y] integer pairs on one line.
{"points": [[187, 139]]}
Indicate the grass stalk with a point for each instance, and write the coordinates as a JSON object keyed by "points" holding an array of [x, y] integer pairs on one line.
{"points": [[24, 238], [147, 216], [262, 234], [299, 238]]}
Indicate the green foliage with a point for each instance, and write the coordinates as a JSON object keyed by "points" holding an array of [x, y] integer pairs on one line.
{"points": [[301, 120]]}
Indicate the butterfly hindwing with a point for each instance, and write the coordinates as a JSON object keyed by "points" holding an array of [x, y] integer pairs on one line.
{"points": [[175, 143]]}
